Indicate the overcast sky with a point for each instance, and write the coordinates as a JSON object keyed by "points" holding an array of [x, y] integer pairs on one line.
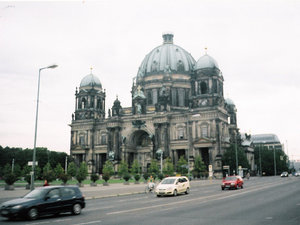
{"points": [[256, 44]]}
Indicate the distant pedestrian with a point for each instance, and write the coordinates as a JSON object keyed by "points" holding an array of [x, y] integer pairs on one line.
{"points": [[46, 183], [248, 176]]}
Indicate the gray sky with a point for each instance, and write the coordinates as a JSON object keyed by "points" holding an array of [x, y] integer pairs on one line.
{"points": [[256, 44]]}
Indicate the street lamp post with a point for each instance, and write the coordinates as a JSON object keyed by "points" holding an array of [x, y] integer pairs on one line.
{"points": [[36, 120], [236, 156], [274, 161], [160, 152], [260, 169]]}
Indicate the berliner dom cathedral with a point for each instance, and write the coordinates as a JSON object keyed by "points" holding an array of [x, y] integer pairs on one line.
{"points": [[177, 108]]}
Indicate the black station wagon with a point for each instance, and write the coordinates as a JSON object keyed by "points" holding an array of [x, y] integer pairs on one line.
{"points": [[45, 201]]}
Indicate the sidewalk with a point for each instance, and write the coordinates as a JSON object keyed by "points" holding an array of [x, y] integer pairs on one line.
{"points": [[101, 191]]}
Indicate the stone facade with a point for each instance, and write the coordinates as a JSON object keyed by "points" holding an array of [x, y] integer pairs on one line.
{"points": [[177, 106]]}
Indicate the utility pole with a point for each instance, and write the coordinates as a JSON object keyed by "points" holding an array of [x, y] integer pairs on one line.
{"points": [[260, 169], [66, 165], [274, 161], [236, 155]]}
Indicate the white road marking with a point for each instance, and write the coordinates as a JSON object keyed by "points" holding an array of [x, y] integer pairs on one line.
{"points": [[91, 222], [269, 218], [37, 223], [99, 208], [46, 222], [132, 199]]}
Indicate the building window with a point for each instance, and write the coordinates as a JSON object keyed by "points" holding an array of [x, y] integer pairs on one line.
{"points": [[173, 96], [81, 140], [180, 133], [154, 96], [181, 95], [103, 139], [204, 131], [203, 87], [83, 103], [149, 97]]}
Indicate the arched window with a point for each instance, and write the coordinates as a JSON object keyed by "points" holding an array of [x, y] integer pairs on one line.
{"points": [[83, 103], [180, 133], [203, 87]]}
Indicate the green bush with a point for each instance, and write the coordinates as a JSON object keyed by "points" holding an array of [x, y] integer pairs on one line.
{"points": [[82, 172], [28, 178], [160, 176], [64, 177], [10, 178], [105, 177], [137, 177], [126, 177], [146, 176], [94, 177]]}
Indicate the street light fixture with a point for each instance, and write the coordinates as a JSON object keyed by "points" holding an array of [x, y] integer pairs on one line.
{"points": [[160, 152], [36, 120]]}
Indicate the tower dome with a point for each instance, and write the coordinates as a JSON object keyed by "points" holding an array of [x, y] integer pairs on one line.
{"points": [[228, 101], [166, 58], [205, 62], [90, 81]]}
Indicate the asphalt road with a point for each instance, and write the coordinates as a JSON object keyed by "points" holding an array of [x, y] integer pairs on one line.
{"points": [[268, 200]]}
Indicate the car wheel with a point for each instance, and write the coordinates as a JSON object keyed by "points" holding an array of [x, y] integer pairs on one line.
{"points": [[222, 188], [235, 187], [76, 210], [158, 196], [175, 192], [187, 191], [33, 214], [242, 187]]}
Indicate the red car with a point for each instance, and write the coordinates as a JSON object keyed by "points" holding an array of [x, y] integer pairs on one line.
{"points": [[231, 182]]}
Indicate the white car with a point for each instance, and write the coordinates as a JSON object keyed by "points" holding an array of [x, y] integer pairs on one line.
{"points": [[173, 186]]}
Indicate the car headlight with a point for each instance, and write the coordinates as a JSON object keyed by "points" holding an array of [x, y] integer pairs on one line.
{"points": [[232, 183], [17, 207]]}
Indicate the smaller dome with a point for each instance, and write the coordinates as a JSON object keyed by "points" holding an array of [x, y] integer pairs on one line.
{"points": [[228, 101], [90, 81], [206, 61]]}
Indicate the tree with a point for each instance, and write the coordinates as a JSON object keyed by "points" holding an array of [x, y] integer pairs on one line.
{"points": [[58, 170], [26, 170], [168, 169], [82, 172], [182, 166], [135, 169], [199, 167], [266, 156], [153, 169], [229, 158], [123, 168], [108, 170], [72, 169], [48, 173]]}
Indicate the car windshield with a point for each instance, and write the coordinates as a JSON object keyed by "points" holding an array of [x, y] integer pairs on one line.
{"points": [[168, 181], [36, 194], [230, 178]]}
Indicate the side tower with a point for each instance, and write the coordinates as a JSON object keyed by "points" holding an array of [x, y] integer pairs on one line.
{"points": [[89, 109]]}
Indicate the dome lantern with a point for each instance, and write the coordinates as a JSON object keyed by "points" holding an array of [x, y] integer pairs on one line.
{"points": [[168, 38]]}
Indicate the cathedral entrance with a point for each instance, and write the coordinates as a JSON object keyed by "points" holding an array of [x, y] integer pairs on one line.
{"points": [[99, 162], [140, 147], [205, 156]]}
